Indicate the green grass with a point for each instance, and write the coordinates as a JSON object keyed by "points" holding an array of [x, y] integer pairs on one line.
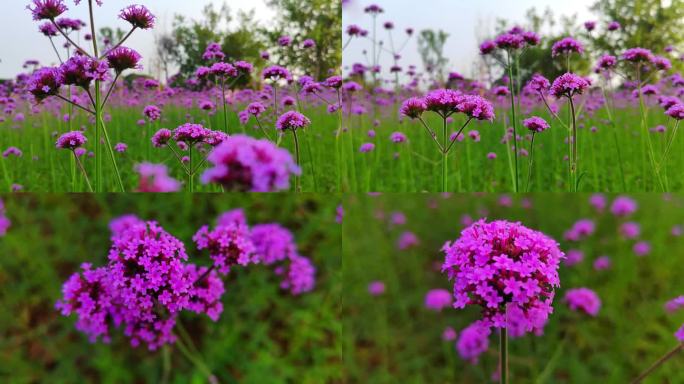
{"points": [[394, 339], [418, 165], [43, 168], [263, 336]]}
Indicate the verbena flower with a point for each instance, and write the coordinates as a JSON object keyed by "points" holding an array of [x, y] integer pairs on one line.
{"points": [[152, 112], [637, 55], [161, 137], [155, 178], [623, 206], [276, 72], [47, 9], [583, 299], [71, 140], [437, 299], [190, 133], [536, 124], [605, 63], [138, 16], [299, 276], [473, 341], [292, 120], [502, 264], [81, 71], [413, 107], [228, 245], [272, 243], [568, 85], [256, 109], [123, 58], [205, 295], [44, 83], [242, 163], [566, 46]]}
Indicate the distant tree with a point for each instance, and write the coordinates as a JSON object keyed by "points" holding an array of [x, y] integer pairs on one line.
{"points": [[652, 24], [320, 20], [431, 48], [166, 51]]}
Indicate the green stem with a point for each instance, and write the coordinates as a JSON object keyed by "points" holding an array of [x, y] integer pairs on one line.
{"points": [[225, 110], [513, 120], [85, 175], [574, 160], [110, 150], [191, 180], [296, 142], [658, 363], [444, 156], [529, 168], [503, 356]]}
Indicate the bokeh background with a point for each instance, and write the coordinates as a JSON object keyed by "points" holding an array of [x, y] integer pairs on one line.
{"points": [[393, 338], [264, 335]]}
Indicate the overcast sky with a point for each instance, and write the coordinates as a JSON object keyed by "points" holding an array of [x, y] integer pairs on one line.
{"points": [[21, 40], [465, 21]]}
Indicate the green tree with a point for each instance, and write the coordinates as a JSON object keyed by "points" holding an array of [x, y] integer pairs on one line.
{"points": [[431, 48], [320, 20]]}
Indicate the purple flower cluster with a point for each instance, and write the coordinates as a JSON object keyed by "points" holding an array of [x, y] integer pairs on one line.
{"points": [[47, 9], [292, 120], [71, 140], [123, 58], [566, 46], [138, 16], [583, 299], [536, 124], [502, 265], [5, 223], [446, 102], [473, 341], [154, 178], [568, 85], [242, 163], [437, 299]]}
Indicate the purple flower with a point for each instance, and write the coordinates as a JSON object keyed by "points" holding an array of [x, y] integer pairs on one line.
{"points": [[637, 55], [376, 288], [675, 304], [138, 16], [123, 58], [47, 9], [449, 334], [589, 25], [242, 163], [568, 85], [223, 70], [539, 83], [476, 107], [272, 243], [120, 147], [413, 107], [614, 26], [82, 70], [676, 111], [509, 41], [536, 124], [680, 334], [44, 83], [284, 41], [443, 101], [630, 230], [154, 178], [228, 244], [299, 275], [642, 248], [275, 73], [292, 120], [437, 299], [308, 43], [334, 82], [190, 133], [473, 341], [581, 229], [573, 257], [602, 263], [407, 240], [48, 29], [397, 137], [566, 46], [598, 201], [487, 47], [606, 63], [502, 265], [367, 147], [152, 112], [213, 52], [583, 299], [205, 295], [161, 137], [623, 206], [71, 140]]}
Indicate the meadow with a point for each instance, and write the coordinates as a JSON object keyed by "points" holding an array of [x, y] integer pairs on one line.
{"points": [[265, 334], [391, 336]]}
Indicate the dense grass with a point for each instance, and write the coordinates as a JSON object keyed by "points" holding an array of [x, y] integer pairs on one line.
{"points": [[393, 338], [43, 168], [415, 166], [263, 336]]}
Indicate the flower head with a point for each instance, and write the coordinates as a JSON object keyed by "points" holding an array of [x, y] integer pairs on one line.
{"points": [[47, 9], [155, 178], [292, 120], [473, 341], [228, 244], [161, 137], [190, 133], [242, 163], [500, 265], [568, 85], [123, 58], [637, 55], [566, 46], [437, 299], [138, 16], [536, 124], [44, 83], [583, 299], [413, 107], [71, 140], [276, 72]]}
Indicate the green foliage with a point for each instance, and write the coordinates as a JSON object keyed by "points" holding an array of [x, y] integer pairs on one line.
{"points": [[320, 20], [393, 338], [264, 335]]}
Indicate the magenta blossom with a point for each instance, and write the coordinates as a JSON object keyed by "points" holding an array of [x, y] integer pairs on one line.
{"points": [[583, 299]]}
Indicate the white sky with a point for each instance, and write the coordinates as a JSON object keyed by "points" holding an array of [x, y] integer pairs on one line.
{"points": [[465, 21], [20, 39]]}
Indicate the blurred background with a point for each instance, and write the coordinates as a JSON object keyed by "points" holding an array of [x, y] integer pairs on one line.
{"points": [[395, 240], [264, 335]]}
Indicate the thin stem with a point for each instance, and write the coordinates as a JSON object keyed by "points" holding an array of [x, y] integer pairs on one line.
{"points": [[56, 51], [503, 353], [69, 40], [296, 142], [658, 363], [574, 160], [193, 359], [180, 160], [513, 118], [92, 28], [432, 134], [669, 146], [225, 110], [191, 179], [458, 134], [75, 104], [529, 168], [110, 150], [339, 113], [166, 361], [445, 181], [85, 174], [111, 88], [262, 128], [119, 43]]}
